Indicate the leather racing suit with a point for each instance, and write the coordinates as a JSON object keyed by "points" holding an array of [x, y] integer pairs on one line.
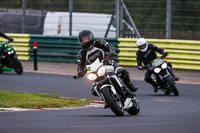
{"points": [[99, 51]]}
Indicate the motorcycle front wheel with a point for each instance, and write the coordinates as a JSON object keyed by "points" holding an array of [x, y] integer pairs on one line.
{"points": [[172, 86], [17, 66], [113, 101]]}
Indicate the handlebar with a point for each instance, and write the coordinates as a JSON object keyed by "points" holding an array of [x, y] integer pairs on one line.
{"points": [[112, 55]]}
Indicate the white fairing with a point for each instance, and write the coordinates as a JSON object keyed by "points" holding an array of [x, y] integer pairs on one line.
{"points": [[97, 64], [157, 62], [94, 66], [108, 68]]}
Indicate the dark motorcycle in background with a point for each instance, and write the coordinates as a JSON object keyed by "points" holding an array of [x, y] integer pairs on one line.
{"points": [[110, 88], [163, 76], [9, 59]]}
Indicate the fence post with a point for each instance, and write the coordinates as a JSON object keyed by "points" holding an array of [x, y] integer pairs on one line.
{"points": [[23, 15], [35, 56], [168, 19], [130, 18], [70, 16]]}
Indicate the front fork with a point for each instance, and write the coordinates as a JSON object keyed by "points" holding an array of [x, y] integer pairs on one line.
{"points": [[163, 75]]}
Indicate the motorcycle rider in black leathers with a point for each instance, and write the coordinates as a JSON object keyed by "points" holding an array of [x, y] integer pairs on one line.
{"points": [[146, 54], [1, 49], [93, 49]]}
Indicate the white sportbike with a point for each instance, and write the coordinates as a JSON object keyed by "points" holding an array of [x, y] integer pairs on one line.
{"points": [[110, 88]]}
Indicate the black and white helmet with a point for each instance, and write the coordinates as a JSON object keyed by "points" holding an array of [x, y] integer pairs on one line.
{"points": [[86, 38]]}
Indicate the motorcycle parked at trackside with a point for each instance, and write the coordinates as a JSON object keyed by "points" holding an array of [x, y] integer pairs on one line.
{"points": [[110, 88], [9, 59], [163, 76]]}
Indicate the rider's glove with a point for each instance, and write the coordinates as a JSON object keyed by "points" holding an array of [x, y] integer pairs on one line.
{"points": [[117, 51], [164, 53], [106, 57], [10, 39], [81, 74]]}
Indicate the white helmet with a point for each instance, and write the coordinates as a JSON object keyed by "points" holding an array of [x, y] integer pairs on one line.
{"points": [[142, 44]]}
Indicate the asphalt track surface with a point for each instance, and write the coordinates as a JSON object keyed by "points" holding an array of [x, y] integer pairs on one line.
{"points": [[159, 113]]}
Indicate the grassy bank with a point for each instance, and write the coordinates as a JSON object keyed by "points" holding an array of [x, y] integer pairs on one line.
{"points": [[29, 100]]}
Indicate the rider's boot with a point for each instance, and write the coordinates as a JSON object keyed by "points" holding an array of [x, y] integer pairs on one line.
{"points": [[129, 93], [124, 74], [155, 87], [153, 83], [105, 105], [172, 73], [132, 87], [175, 77]]}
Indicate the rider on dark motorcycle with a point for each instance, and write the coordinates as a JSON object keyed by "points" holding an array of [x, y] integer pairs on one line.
{"points": [[1, 49], [93, 49], [146, 54]]}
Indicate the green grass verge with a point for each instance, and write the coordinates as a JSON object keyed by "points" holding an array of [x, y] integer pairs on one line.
{"points": [[29, 100]]}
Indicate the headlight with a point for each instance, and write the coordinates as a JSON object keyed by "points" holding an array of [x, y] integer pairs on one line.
{"points": [[157, 70], [101, 71], [9, 53], [92, 76], [164, 65]]}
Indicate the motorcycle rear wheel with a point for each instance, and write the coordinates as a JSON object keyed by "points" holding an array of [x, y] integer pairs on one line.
{"points": [[113, 101], [172, 86], [135, 109]]}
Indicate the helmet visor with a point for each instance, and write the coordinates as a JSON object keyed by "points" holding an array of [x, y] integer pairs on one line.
{"points": [[142, 46], [85, 39]]}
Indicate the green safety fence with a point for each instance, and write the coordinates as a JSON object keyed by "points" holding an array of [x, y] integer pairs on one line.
{"points": [[183, 54], [58, 48], [55, 48]]}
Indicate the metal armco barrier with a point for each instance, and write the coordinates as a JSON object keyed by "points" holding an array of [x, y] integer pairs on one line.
{"points": [[20, 44], [58, 48], [183, 54]]}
